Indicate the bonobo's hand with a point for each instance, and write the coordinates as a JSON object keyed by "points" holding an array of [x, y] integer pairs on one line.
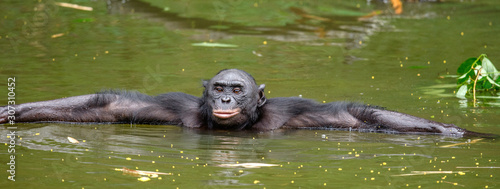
{"points": [[453, 130], [448, 129]]}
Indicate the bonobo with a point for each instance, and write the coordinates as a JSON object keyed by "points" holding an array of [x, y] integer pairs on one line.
{"points": [[231, 101]]}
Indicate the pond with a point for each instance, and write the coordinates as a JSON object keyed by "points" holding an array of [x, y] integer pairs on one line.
{"points": [[360, 51]]}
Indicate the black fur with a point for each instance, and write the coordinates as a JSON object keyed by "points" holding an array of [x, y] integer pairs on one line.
{"points": [[231, 101]]}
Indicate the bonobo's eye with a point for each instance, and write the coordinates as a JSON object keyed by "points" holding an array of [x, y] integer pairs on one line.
{"points": [[236, 90], [219, 89]]}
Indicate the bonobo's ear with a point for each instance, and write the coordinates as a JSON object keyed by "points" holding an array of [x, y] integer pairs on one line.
{"points": [[205, 83], [205, 91], [262, 98]]}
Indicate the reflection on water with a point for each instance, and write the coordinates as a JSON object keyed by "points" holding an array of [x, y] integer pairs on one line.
{"points": [[302, 155], [347, 32], [384, 59]]}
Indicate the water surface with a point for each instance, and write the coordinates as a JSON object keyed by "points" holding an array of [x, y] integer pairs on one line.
{"points": [[325, 51]]}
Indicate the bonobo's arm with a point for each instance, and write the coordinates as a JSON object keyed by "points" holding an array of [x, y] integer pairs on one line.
{"points": [[109, 107], [55, 110], [304, 113]]}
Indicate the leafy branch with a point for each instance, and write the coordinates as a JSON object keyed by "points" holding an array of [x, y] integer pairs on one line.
{"points": [[477, 74]]}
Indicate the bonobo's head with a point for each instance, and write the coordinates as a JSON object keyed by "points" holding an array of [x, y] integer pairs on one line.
{"points": [[232, 99]]}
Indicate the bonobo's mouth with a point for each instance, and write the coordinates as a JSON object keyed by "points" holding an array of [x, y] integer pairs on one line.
{"points": [[226, 114]]}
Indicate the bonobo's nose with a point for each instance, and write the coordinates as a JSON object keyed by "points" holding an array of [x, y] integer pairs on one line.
{"points": [[226, 99]]}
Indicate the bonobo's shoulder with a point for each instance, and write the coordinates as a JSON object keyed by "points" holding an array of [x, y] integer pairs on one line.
{"points": [[287, 100], [290, 102], [177, 96], [298, 102], [179, 102]]}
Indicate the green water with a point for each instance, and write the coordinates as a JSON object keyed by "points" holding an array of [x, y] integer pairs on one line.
{"points": [[326, 52]]}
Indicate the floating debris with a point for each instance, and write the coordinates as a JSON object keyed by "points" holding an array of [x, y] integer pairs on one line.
{"points": [[144, 179], [205, 44], [249, 165], [57, 35], [74, 6], [256, 53], [454, 183], [73, 140], [462, 143], [141, 174], [413, 173]]}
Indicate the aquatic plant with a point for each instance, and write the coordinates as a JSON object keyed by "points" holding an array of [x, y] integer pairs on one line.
{"points": [[477, 74]]}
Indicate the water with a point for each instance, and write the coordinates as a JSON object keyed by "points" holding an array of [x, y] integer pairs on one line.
{"points": [[324, 51]]}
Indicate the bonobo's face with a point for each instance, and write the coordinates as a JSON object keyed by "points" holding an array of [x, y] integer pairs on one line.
{"points": [[233, 98]]}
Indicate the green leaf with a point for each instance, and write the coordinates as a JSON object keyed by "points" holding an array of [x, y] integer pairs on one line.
{"points": [[480, 83], [487, 84], [477, 74], [478, 67], [490, 68], [466, 78], [466, 66], [480, 72], [462, 91], [493, 82], [461, 77], [470, 86]]}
